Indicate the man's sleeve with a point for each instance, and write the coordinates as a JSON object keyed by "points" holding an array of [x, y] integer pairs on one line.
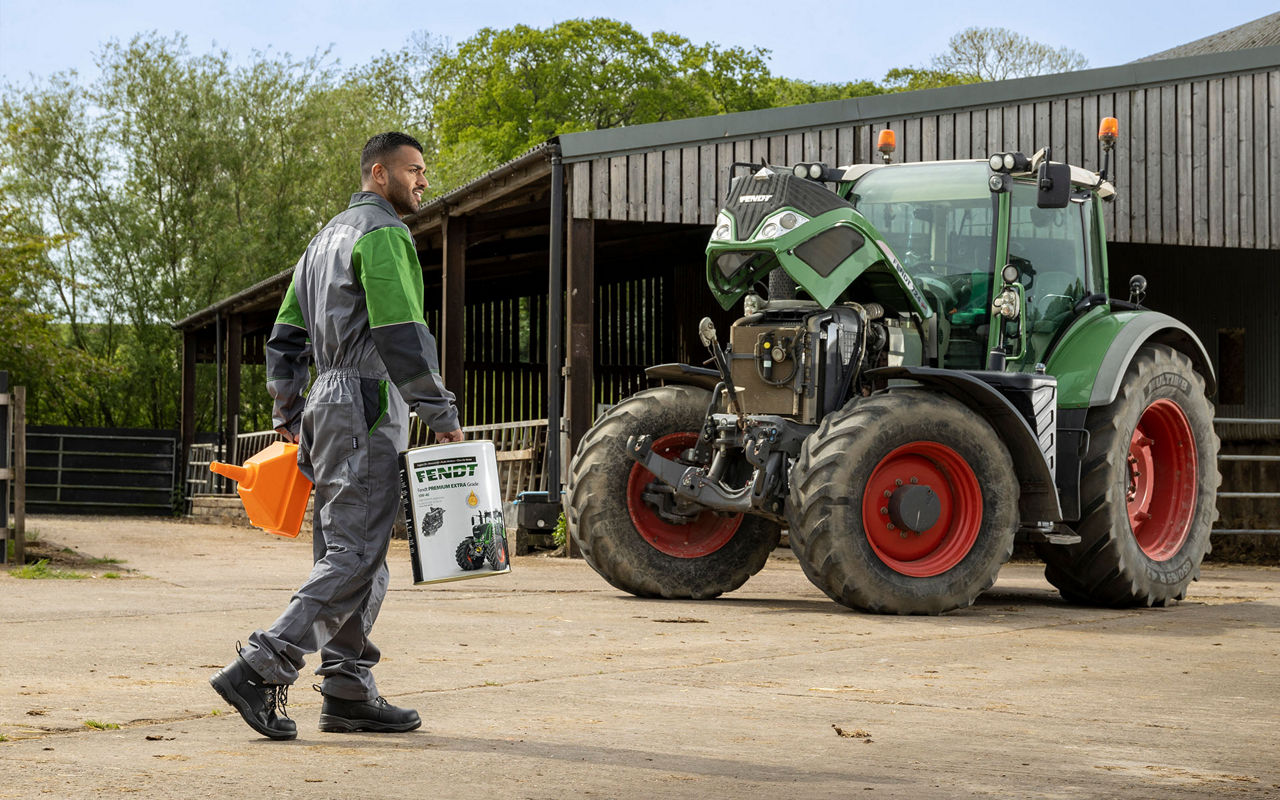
{"points": [[288, 355], [386, 264]]}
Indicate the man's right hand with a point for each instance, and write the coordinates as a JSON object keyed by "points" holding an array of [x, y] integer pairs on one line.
{"points": [[287, 434], [448, 437]]}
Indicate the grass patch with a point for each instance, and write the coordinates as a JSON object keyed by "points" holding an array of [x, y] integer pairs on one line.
{"points": [[41, 570], [111, 576], [105, 561], [101, 726], [3, 738]]}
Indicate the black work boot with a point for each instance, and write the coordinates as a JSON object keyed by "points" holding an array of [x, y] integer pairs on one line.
{"points": [[256, 700], [377, 715]]}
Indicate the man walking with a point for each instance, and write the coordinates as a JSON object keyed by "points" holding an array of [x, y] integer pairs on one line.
{"points": [[355, 309]]}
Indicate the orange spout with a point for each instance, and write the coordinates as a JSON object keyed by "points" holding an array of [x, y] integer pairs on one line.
{"points": [[274, 491], [240, 475]]}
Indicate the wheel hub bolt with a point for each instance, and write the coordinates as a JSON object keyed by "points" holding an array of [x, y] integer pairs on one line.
{"points": [[915, 479], [884, 509], [888, 493], [897, 481], [891, 527]]}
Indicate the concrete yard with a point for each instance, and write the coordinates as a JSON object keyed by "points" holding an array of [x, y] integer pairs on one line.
{"points": [[548, 683]]}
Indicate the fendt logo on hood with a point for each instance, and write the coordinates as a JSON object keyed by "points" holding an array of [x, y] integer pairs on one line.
{"points": [[755, 198]]}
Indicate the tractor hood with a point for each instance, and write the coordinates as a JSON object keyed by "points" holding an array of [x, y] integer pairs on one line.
{"points": [[774, 219]]}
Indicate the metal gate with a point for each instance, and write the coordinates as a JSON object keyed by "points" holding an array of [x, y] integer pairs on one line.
{"points": [[100, 470]]}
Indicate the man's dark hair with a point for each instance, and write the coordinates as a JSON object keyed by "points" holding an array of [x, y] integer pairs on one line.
{"points": [[381, 146]]}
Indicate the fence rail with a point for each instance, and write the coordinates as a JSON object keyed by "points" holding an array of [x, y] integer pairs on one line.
{"points": [[1259, 458]]}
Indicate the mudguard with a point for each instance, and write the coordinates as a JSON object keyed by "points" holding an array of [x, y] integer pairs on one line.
{"points": [[1039, 499], [1090, 359], [675, 373]]}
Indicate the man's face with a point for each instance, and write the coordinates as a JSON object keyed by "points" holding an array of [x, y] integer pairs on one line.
{"points": [[404, 180]]}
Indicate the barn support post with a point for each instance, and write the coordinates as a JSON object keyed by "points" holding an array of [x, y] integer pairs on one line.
{"points": [[187, 425], [453, 307], [235, 349], [19, 475], [4, 466], [580, 365], [218, 333], [555, 324]]}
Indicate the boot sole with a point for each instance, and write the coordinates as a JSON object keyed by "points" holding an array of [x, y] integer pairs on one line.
{"points": [[241, 705], [332, 724]]}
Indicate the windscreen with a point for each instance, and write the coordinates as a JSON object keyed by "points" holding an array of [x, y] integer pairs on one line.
{"points": [[939, 218]]}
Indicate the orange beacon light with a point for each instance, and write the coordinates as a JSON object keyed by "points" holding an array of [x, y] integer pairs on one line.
{"points": [[1108, 130], [886, 143]]}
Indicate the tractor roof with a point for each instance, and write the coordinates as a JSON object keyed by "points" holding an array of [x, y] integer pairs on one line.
{"points": [[1079, 176]]}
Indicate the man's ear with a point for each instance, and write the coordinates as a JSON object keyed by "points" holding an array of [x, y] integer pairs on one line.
{"points": [[378, 173]]}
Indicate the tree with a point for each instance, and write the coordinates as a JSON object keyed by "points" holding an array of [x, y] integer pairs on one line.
{"points": [[507, 90], [994, 54], [165, 185], [910, 79]]}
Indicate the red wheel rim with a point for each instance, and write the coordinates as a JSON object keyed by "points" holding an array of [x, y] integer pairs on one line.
{"points": [[945, 543], [706, 534], [1161, 495]]}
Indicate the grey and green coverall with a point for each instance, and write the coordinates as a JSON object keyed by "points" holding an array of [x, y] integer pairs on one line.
{"points": [[355, 309]]}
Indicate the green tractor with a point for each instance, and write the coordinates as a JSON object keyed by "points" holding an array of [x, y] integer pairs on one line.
{"points": [[487, 542], [928, 368]]}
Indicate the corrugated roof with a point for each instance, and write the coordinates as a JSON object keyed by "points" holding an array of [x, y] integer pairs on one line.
{"points": [[1262, 32]]}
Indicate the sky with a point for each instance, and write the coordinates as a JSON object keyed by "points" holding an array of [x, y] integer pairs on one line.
{"points": [[848, 40]]}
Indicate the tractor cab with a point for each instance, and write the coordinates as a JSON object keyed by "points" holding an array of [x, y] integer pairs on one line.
{"points": [[954, 232]]}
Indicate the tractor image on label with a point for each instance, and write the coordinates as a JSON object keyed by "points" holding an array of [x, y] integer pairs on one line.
{"points": [[937, 371], [487, 542]]}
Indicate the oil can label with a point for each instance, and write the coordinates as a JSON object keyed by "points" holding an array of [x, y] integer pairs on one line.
{"points": [[453, 508]]}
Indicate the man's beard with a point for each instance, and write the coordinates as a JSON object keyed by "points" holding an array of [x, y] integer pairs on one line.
{"points": [[402, 198]]}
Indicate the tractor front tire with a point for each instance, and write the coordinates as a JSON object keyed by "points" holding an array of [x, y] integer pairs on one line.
{"points": [[622, 537], [874, 458], [1148, 488], [465, 555]]}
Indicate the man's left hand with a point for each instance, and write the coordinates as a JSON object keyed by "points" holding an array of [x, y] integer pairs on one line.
{"points": [[448, 437]]}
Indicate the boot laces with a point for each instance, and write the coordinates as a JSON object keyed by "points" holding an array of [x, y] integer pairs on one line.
{"points": [[277, 696]]}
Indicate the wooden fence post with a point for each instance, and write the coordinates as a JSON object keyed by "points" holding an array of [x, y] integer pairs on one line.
{"points": [[20, 475]]}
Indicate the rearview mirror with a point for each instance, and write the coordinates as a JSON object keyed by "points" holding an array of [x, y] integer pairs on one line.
{"points": [[1054, 182]]}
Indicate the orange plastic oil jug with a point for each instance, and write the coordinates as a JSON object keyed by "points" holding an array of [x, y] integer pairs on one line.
{"points": [[274, 491]]}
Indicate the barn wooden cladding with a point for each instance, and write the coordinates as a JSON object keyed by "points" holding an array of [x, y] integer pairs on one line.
{"points": [[1197, 161]]}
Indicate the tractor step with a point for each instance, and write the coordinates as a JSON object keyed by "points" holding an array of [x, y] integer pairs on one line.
{"points": [[1058, 534]]}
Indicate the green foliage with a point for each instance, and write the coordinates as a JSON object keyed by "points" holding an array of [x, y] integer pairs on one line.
{"points": [[169, 183], [560, 534], [910, 79], [41, 570], [507, 90]]}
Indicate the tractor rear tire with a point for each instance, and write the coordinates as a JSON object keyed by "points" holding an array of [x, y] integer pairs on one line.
{"points": [[850, 472], [496, 552], [622, 537], [1147, 490]]}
